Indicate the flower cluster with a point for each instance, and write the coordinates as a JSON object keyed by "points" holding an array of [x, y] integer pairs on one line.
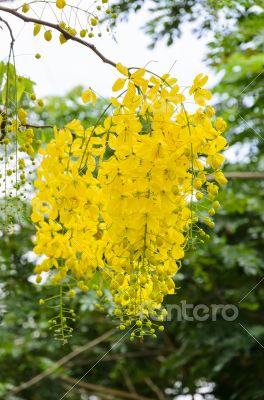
{"points": [[74, 20], [120, 199], [18, 143]]}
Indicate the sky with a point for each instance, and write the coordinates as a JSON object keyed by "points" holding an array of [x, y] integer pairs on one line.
{"points": [[63, 67]]}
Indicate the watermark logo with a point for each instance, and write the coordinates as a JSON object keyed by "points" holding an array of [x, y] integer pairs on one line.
{"points": [[184, 311]]}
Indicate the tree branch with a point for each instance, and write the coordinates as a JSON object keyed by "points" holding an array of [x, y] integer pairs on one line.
{"points": [[160, 395], [66, 34], [102, 389], [10, 31], [38, 126], [62, 361], [240, 175]]}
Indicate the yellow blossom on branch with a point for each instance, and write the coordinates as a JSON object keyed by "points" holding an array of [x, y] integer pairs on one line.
{"points": [[120, 199]]}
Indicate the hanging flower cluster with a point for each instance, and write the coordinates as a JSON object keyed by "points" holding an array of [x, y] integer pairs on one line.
{"points": [[74, 20], [120, 199], [18, 143]]}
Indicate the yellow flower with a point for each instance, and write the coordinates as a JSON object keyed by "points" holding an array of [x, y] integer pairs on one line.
{"points": [[220, 125], [220, 178], [22, 116], [37, 28], [119, 199], [62, 38], [60, 4], [25, 8], [89, 95], [38, 278], [48, 35], [215, 161], [200, 95]]}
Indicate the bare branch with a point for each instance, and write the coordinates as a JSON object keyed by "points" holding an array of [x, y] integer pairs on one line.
{"points": [[38, 126], [66, 34], [245, 175], [102, 389], [62, 361], [240, 175]]}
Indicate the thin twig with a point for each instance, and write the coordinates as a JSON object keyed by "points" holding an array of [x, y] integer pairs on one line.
{"points": [[102, 389], [38, 126], [155, 389], [10, 31], [128, 381], [66, 34]]}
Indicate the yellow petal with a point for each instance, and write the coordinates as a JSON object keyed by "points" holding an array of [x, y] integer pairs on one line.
{"points": [[118, 85], [75, 126], [86, 96], [93, 98], [114, 101], [139, 73], [122, 69]]}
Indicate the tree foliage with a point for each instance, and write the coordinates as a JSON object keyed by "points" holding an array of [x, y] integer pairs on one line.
{"points": [[167, 17]]}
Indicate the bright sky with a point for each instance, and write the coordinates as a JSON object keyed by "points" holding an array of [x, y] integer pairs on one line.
{"points": [[63, 67]]}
